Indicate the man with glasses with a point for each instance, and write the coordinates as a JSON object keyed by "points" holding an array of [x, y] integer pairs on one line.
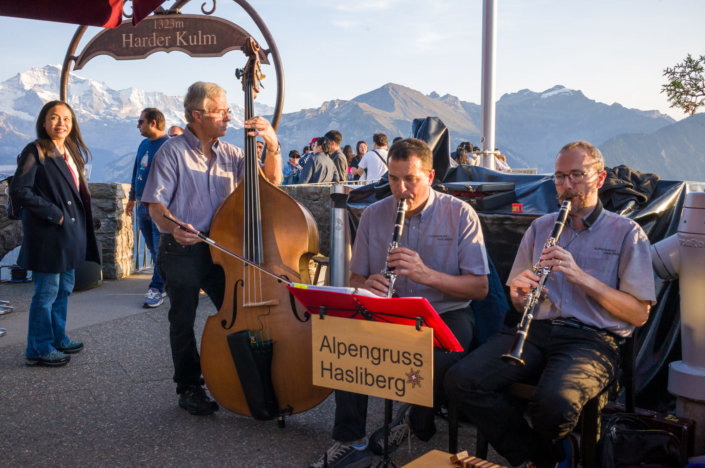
{"points": [[151, 124], [600, 289], [192, 176]]}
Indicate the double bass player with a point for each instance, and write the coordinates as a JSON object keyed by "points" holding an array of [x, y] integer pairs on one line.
{"points": [[192, 175]]}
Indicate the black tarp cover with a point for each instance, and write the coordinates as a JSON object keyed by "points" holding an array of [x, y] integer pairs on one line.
{"points": [[658, 341]]}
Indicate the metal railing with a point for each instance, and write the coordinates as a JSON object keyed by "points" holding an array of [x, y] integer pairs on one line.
{"points": [[138, 243]]}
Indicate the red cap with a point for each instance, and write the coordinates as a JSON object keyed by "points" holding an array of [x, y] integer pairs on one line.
{"points": [[313, 141]]}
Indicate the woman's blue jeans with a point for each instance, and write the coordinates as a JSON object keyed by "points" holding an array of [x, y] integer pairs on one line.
{"points": [[47, 313]]}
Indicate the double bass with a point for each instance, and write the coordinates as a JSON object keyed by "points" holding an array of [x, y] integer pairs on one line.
{"points": [[269, 228]]}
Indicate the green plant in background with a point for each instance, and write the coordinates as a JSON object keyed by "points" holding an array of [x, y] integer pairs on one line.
{"points": [[686, 84]]}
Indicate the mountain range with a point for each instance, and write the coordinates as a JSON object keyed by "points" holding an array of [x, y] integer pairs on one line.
{"points": [[531, 126]]}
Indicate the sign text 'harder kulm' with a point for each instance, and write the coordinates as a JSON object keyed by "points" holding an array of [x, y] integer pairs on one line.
{"points": [[372, 358], [195, 35]]}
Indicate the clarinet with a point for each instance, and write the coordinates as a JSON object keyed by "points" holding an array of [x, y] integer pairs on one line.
{"points": [[388, 271], [513, 357]]}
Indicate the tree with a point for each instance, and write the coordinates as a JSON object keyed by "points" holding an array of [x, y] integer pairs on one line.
{"points": [[686, 84]]}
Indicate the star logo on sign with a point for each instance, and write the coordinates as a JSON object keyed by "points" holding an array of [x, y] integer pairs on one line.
{"points": [[414, 378]]}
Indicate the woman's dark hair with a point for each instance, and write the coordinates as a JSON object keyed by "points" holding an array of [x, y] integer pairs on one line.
{"points": [[324, 144], [307, 149], [348, 152], [357, 149], [74, 142], [460, 156]]}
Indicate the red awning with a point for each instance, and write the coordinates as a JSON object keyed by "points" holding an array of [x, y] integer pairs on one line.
{"points": [[102, 13]]}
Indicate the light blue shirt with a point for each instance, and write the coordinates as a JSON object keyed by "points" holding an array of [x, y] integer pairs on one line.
{"points": [[182, 179]]}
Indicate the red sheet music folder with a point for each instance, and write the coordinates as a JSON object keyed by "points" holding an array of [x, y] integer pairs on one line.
{"points": [[363, 305]]}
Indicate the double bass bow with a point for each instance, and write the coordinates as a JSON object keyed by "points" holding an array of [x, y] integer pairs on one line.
{"points": [[268, 228]]}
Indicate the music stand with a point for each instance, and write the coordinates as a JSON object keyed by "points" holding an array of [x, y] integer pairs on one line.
{"points": [[362, 305]]}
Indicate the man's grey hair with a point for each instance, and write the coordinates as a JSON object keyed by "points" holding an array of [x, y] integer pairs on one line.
{"points": [[199, 96], [592, 150]]}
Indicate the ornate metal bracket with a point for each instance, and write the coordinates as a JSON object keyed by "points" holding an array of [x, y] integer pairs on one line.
{"points": [[123, 10], [203, 10]]}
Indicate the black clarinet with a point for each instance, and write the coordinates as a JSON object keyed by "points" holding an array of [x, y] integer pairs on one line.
{"points": [[513, 357], [388, 271]]}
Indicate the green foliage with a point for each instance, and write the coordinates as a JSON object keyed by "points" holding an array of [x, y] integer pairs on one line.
{"points": [[686, 84]]}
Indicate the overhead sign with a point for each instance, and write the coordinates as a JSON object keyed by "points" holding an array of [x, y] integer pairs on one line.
{"points": [[195, 35], [373, 358]]}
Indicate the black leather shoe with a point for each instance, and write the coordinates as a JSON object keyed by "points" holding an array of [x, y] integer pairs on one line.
{"points": [[196, 402]]}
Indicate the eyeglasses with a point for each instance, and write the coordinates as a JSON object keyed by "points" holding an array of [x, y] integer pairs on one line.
{"points": [[221, 113], [574, 177]]}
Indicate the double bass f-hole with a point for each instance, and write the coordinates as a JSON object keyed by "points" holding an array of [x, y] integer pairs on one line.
{"points": [[292, 301], [223, 323]]}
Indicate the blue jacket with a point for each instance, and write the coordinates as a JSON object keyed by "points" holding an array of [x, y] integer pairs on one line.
{"points": [[143, 162]]}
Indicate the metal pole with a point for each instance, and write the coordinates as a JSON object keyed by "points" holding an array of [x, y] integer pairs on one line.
{"points": [[489, 41], [66, 68], [136, 248], [339, 236]]}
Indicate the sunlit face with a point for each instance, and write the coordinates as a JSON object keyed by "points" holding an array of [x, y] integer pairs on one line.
{"points": [[408, 180], [58, 122], [214, 121], [362, 148], [144, 125], [260, 147], [577, 161], [315, 148]]}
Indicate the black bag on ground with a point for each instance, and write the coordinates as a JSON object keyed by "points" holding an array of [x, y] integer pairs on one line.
{"points": [[255, 362], [626, 441]]}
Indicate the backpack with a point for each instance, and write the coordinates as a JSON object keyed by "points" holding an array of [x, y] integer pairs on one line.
{"points": [[627, 441], [14, 210]]}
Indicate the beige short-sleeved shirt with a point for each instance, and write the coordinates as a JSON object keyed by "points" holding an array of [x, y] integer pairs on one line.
{"points": [[612, 249], [446, 234]]}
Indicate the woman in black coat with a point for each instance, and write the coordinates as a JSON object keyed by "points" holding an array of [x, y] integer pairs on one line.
{"points": [[50, 186]]}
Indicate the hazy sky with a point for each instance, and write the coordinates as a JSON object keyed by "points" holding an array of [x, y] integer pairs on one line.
{"points": [[612, 50]]}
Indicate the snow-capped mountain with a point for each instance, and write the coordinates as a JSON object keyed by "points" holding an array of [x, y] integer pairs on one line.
{"points": [[531, 126], [107, 117]]}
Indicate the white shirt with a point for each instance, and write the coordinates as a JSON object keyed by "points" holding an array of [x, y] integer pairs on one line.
{"points": [[374, 165]]}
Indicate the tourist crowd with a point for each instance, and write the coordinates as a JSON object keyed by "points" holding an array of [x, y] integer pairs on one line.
{"points": [[324, 160]]}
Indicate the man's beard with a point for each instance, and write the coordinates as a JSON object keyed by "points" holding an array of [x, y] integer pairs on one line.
{"points": [[578, 201]]}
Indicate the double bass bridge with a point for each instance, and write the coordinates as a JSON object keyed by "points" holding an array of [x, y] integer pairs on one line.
{"points": [[272, 302]]}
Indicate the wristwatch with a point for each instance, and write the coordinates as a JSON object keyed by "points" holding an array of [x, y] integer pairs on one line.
{"points": [[278, 151]]}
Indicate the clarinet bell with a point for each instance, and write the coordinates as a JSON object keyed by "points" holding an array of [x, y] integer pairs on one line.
{"points": [[513, 357]]}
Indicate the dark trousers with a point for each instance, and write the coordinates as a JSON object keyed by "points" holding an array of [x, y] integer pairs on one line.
{"points": [[351, 408], [569, 366], [186, 269]]}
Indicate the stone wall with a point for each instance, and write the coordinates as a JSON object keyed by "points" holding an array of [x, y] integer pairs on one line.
{"points": [[113, 228], [316, 198], [10, 231]]}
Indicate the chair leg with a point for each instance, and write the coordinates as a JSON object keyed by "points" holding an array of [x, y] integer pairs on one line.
{"points": [[482, 446], [591, 432], [452, 427]]}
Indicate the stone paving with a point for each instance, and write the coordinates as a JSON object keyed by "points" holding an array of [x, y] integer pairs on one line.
{"points": [[114, 404]]}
